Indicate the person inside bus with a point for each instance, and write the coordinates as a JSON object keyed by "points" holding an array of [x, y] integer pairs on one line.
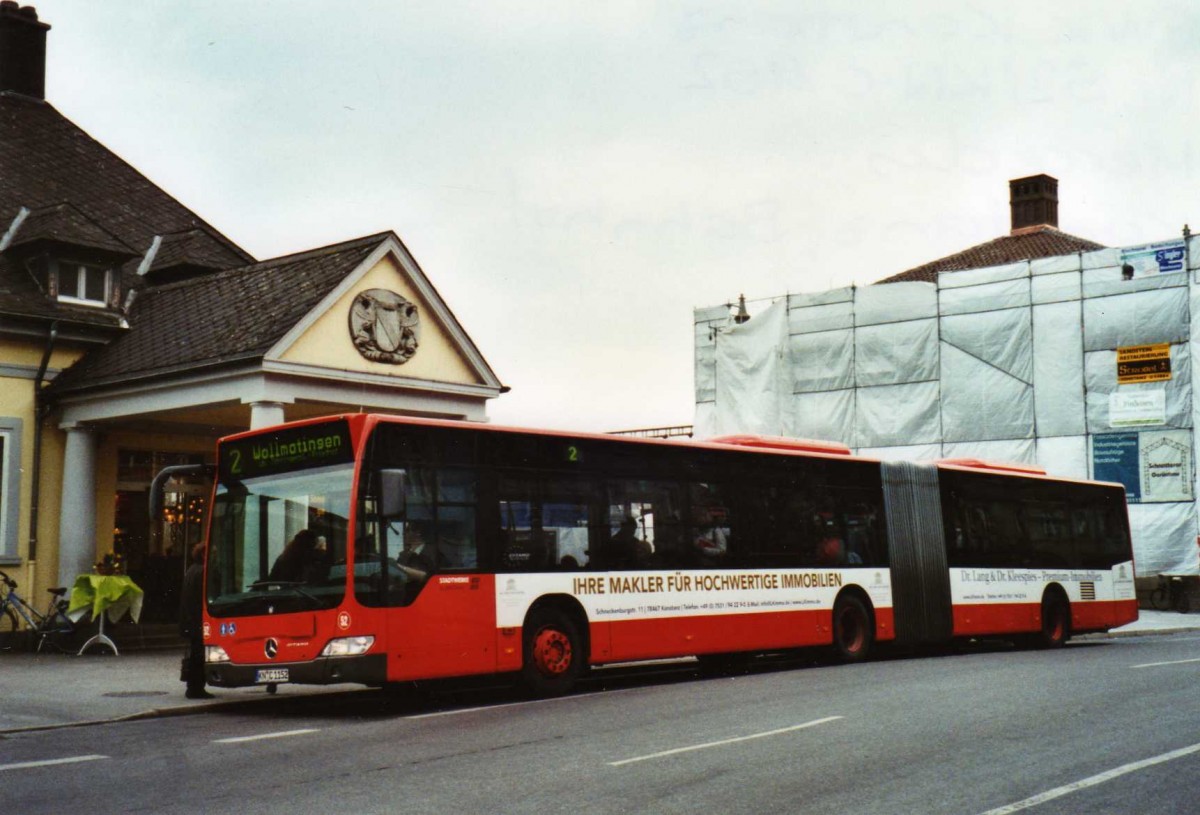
{"points": [[625, 548], [418, 559], [294, 563]]}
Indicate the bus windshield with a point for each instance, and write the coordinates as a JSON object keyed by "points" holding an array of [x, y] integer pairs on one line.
{"points": [[278, 542]]}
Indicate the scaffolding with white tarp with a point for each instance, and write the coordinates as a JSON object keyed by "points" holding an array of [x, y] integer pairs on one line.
{"points": [[1081, 364]]}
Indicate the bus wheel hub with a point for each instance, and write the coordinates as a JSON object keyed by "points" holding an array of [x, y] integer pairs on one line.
{"points": [[552, 650]]}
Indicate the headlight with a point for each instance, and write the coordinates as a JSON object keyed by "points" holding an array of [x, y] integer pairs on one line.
{"points": [[348, 646], [215, 653]]}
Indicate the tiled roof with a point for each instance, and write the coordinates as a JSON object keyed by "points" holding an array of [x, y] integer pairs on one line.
{"points": [[194, 249], [218, 319], [1024, 244], [65, 224], [45, 160]]}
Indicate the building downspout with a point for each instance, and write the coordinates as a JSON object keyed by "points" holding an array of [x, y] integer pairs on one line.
{"points": [[39, 415]]}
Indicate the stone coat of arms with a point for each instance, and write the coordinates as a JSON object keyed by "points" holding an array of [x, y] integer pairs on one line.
{"points": [[384, 326]]}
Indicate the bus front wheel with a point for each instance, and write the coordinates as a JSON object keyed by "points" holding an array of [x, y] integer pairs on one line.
{"points": [[553, 653], [853, 631]]}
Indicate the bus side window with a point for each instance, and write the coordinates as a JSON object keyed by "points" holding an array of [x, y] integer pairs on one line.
{"points": [[457, 499], [710, 532]]}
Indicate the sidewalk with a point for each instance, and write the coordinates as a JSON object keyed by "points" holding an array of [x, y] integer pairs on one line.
{"points": [[40, 691]]}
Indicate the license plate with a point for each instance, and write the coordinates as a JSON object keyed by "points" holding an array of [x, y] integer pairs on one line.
{"points": [[271, 675]]}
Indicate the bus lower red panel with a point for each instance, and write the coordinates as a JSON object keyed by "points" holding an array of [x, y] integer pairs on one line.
{"points": [[1026, 618], [684, 636]]}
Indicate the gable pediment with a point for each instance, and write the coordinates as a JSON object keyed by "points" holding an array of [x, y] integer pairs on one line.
{"points": [[386, 321]]}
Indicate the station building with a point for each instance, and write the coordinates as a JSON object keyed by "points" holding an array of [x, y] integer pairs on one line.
{"points": [[1038, 347], [133, 334]]}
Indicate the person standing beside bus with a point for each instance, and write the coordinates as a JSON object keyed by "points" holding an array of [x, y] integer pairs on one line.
{"points": [[191, 624]]}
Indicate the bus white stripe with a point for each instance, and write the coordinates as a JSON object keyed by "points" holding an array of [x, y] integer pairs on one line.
{"points": [[50, 762], [723, 742], [1116, 772]]}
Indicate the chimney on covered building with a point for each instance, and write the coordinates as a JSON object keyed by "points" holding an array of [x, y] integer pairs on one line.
{"points": [[1034, 201], [22, 50]]}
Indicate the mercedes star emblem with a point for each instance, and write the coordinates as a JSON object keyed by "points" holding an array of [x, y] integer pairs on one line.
{"points": [[271, 648]]}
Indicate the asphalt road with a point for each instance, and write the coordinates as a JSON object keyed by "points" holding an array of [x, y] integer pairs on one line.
{"points": [[1106, 726]]}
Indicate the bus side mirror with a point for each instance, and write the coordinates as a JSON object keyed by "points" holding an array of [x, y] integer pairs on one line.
{"points": [[392, 502]]}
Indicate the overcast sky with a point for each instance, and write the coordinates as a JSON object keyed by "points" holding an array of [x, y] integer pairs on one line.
{"points": [[575, 178]]}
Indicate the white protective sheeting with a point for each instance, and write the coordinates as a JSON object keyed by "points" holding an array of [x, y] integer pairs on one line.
{"points": [[1138, 318], [1002, 339], [828, 416], [909, 452], [1010, 363], [1100, 373], [822, 362], [1055, 288], [895, 302], [897, 352], [988, 297], [1011, 451], [708, 322], [704, 422], [1163, 536], [1055, 264], [1059, 408], [893, 415], [824, 312], [752, 377], [981, 402], [1064, 456]]}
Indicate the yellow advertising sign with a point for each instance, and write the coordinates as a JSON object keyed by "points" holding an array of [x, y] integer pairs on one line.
{"points": [[1144, 363]]}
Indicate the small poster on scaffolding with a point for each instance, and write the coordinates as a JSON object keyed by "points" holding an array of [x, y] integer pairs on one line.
{"points": [[1154, 466]]}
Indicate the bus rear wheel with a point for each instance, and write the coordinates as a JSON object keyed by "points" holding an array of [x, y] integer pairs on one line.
{"points": [[853, 631], [1056, 621], [553, 653]]}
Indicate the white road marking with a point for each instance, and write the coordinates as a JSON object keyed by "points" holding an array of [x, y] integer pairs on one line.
{"points": [[723, 742], [1158, 664], [460, 710], [50, 762], [279, 735], [1116, 772]]}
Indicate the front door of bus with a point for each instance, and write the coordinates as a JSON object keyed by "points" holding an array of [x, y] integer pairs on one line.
{"points": [[448, 628]]}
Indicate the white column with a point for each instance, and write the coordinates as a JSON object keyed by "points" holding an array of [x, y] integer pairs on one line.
{"points": [[265, 414], [77, 519]]}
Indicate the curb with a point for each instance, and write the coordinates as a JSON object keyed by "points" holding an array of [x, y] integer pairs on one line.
{"points": [[182, 710]]}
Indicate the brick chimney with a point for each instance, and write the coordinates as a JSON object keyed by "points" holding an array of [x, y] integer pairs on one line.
{"points": [[1034, 201], [22, 50]]}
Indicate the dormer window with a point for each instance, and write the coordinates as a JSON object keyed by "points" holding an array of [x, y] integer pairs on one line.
{"points": [[84, 284]]}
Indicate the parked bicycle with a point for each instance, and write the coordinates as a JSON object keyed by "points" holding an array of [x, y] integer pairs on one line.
{"points": [[1170, 594], [52, 627]]}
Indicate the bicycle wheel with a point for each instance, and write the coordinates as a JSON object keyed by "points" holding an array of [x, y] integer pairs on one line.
{"points": [[9, 622], [1160, 598]]}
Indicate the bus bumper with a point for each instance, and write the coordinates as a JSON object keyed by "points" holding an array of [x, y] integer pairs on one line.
{"points": [[368, 669]]}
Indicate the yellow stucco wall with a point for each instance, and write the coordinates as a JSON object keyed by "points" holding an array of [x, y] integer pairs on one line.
{"points": [[17, 401], [327, 342]]}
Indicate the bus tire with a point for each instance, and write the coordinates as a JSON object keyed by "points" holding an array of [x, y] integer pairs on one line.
{"points": [[553, 655], [853, 629], [1056, 621]]}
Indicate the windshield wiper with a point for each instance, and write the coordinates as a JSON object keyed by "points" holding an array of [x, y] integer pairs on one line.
{"points": [[295, 585]]}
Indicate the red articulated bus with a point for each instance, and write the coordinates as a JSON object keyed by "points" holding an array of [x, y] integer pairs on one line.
{"points": [[380, 549]]}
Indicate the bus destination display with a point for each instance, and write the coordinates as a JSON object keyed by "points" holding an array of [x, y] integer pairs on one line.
{"points": [[314, 445]]}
